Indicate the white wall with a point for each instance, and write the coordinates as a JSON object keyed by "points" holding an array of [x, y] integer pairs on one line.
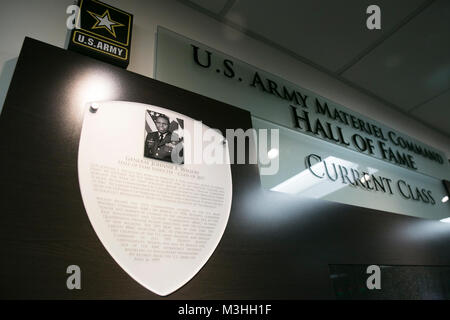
{"points": [[45, 20]]}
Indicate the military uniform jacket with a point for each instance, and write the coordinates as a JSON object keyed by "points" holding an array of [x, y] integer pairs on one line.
{"points": [[156, 148]]}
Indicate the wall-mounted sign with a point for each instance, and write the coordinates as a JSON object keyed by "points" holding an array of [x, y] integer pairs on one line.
{"points": [[317, 169], [104, 33], [326, 151], [191, 65], [159, 218]]}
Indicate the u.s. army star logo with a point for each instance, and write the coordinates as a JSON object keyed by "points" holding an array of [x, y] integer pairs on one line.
{"points": [[104, 33], [105, 21]]}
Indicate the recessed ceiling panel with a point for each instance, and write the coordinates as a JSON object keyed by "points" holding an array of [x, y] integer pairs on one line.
{"points": [[413, 64], [329, 33], [436, 112], [215, 6]]}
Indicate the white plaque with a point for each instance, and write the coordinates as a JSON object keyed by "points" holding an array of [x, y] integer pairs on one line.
{"points": [[161, 221]]}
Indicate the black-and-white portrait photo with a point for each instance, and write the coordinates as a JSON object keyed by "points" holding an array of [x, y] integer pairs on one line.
{"points": [[163, 137]]}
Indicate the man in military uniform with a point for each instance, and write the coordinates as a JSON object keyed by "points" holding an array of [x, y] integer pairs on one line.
{"points": [[158, 144]]}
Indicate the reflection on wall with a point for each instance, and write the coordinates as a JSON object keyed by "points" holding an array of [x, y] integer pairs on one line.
{"points": [[307, 184], [314, 168], [397, 282]]}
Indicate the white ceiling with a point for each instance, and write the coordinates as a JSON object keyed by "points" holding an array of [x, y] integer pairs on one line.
{"points": [[406, 64]]}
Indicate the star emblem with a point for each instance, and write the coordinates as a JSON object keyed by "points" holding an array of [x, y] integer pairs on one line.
{"points": [[105, 21]]}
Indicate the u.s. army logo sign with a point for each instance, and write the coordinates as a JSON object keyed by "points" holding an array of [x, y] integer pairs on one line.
{"points": [[104, 32]]}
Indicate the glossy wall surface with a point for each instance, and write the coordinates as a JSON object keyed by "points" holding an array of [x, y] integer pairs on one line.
{"points": [[275, 245]]}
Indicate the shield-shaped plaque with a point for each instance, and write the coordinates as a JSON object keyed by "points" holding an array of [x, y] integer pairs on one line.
{"points": [[156, 205]]}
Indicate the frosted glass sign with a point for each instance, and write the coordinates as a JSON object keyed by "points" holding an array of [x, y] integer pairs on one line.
{"points": [[191, 65], [313, 168], [159, 217]]}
